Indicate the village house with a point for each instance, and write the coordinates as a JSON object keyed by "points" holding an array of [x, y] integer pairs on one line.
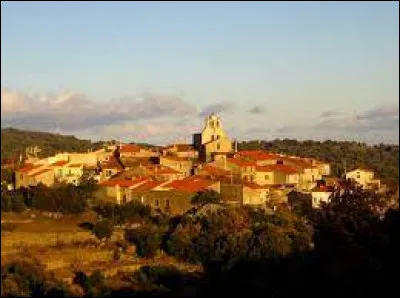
{"points": [[321, 194], [133, 150], [180, 164], [364, 177], [181, 150]]}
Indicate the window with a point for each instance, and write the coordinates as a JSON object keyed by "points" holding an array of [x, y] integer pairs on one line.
{"points": [[358, 175], [266, 177], [218, 147], [167, 204], [218, 137], [123, 199], [212, 138], [21, 176], [157, 203]]}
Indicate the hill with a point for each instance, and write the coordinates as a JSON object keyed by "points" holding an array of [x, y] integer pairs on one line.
{"points": [[15, 141], [383, 159]]}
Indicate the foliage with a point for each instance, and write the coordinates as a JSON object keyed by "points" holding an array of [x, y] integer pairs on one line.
{"points": [[103, 229], [26, 278], [222, 238], [147, 239], [130, 212], [12, 201], [383, 159], [15, 141], [65, 198], [206, 197]]}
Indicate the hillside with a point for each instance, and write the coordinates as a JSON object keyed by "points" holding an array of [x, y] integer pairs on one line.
{"points": [[384, 159], [15, 141]]}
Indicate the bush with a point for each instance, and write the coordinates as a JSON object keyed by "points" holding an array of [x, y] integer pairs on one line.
{"points": [[27, 279], [87, 226], [103, 229], [206, 197], [12, 201], [130, 212], [146, 238], [65, 198]]}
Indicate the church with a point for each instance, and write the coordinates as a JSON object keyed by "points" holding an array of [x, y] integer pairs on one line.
{"points": [[212, 141]]}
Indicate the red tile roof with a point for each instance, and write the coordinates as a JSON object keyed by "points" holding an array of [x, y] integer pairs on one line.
{"points": [[241, 162], [301, 163], [190, 185], [127, 148], [112, 163], [214, 170], [28, 167], [59, 163], [287, 169], [323, 188], [149, 185]]}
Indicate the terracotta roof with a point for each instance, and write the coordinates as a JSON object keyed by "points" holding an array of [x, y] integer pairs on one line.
{"points": [[40, 172], [149, 185], [129, 148], [122, 182], [214, 170], [192, 185], [241, 162], [28, 168], [300, 163], [322, 188], [287, 169], [112, 163], [59, 163]]}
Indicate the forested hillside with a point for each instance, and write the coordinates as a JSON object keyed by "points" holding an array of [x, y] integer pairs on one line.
{"points": [[384, 159], [15, 141]]}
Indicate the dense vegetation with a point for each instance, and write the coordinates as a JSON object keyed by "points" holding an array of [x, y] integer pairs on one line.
{"points": [[15, 141], [343, 249], [384, 159]]}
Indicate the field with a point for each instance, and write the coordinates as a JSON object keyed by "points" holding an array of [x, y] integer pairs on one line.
{"points": [[63, 247]]}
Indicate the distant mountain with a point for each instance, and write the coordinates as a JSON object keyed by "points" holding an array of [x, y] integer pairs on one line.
{"points": [[15, 141]]}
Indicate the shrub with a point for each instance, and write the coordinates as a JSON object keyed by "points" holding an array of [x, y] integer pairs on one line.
{"points": [[87, 226], [206, 197], [103, 229], [146, 238], [26, 278]]}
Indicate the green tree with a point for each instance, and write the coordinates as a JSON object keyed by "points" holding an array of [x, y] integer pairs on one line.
{"points": [[206, 197], [103, 229]]}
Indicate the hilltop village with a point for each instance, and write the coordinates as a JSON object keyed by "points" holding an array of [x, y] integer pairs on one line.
{"points": [[165, 178]]}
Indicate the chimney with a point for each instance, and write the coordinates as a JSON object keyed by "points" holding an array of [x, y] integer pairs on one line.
{"points": [[236, 146]]}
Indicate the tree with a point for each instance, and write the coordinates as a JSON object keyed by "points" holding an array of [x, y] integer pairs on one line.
{"points": [[206, 197], [146, 238], [103, 229]]}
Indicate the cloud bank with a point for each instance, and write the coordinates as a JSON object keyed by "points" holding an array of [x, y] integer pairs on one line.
{"points": [[160, 118]]}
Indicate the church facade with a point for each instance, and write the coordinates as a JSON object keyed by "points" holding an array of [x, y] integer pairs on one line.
{"points": [[213, 140]]}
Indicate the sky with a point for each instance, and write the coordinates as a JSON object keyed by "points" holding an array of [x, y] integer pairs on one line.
{"points": [[151, 71]]}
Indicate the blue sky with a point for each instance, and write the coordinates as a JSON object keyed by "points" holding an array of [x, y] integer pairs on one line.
{"points": [[151, 70]]}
